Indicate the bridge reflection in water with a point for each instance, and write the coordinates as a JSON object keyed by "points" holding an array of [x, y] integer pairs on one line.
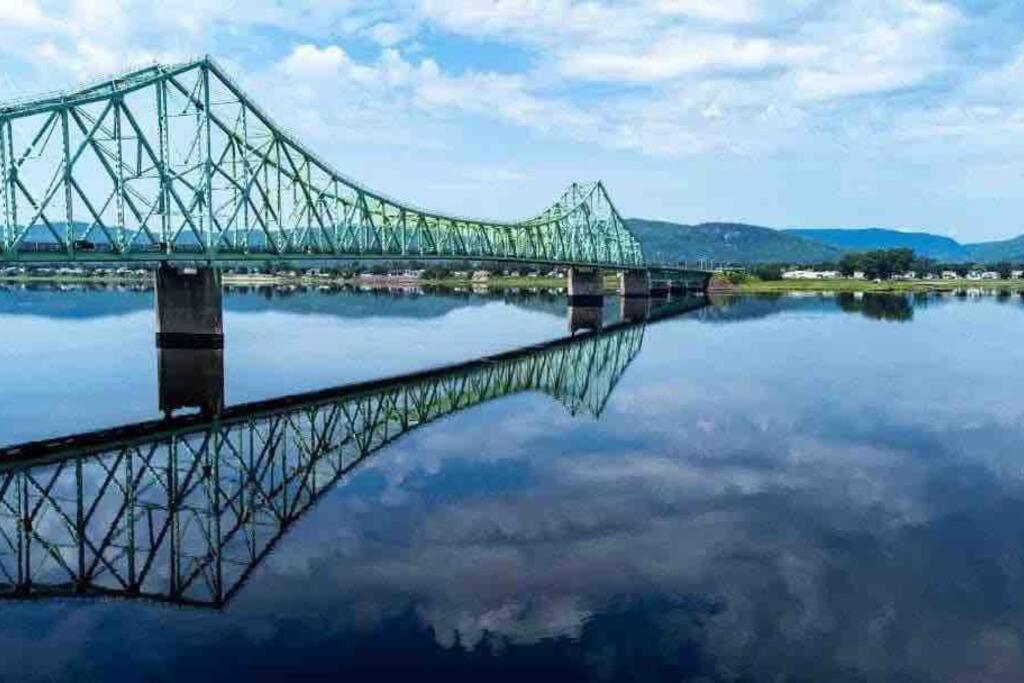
{"points": [[183, 510]]}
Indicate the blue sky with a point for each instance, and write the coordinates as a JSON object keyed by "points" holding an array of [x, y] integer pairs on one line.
{"points": [[898, 113]]}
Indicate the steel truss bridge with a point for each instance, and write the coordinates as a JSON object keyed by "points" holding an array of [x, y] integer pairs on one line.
{"points": [[177, 163], [183, 510]]}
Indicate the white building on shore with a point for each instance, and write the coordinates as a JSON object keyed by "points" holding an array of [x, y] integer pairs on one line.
{"points": [[811, 275]]}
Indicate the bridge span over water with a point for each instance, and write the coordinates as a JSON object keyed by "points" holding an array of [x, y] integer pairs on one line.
{"points": [[183, 510], [176, 163]]}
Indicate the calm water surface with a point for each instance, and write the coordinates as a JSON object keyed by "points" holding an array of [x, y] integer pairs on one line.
{"points": [[796, 488]]}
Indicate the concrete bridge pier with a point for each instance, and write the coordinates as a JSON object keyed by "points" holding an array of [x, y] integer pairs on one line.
{"points": [[189, 311], [189, 339], [586, 287], [634, 284]]}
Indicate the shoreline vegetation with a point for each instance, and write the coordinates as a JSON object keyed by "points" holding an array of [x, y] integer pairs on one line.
{"points": [[848, 285]]}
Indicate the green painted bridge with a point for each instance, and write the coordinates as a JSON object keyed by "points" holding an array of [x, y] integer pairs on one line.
{"points": [[177, 163]]}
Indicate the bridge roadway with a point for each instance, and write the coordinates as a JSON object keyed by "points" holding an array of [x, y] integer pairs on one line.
{"points": [[175, 163], [182, 510]]}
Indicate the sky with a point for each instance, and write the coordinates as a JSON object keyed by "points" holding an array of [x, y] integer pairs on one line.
{"points": [[788, 113]]}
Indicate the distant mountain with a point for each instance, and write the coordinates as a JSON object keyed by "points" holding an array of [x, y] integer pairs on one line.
{"points": [[992, 252], [863, 239], [741, 243], [736, 242], [731, 242]]}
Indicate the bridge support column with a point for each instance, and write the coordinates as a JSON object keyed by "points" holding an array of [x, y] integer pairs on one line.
{"points": [[189, 339], [586, 287], [188, 308], [585, 318], [634, 284]]}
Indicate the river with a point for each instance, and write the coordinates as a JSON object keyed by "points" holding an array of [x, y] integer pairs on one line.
{"points": [[813, 487]]}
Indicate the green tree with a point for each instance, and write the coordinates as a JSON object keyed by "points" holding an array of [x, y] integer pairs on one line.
{"points": [[851, 263], [768, 271]]}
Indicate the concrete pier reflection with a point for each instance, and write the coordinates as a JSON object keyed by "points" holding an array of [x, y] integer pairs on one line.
{"points": [[635, 309], [585, 318], [191, 379]]}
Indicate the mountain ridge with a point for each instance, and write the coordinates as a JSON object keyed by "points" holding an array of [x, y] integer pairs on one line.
{"points": [[747, 243]]}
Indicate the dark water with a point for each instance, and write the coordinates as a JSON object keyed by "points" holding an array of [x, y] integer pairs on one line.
{"points": [[792, 488]]}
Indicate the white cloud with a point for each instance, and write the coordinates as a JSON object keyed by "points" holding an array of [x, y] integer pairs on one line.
{"points": [[659, 78], [426, 87], [718, 10], [676, 53], [854, 53], [21, 13]]}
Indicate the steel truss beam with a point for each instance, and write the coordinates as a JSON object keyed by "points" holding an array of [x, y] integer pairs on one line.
{"points": [[178, 163]]}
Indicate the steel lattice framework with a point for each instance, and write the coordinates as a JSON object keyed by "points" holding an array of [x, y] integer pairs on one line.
{"points": [[178, 163], [184, 510]]}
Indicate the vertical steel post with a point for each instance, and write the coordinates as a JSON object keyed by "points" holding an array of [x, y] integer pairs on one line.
{"points": [[172, 512], [69, 227], [119, 178], [246, 189], [79, 527], [25, 547], [164, 143], [5, 179], [283, 238], [129, 487], [210, 245]]}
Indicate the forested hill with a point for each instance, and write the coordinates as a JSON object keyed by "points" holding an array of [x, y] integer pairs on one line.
{"points": [[863, 239], [742, 243], [732, 242], [991, 252]]}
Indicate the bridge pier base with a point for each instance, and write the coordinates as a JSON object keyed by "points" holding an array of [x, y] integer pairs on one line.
{"points": [[189, 313], [634, 284], [586, 287], [189, 339]]}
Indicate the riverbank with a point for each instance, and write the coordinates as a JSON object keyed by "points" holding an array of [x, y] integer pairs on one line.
{"points": [[844, 285]]}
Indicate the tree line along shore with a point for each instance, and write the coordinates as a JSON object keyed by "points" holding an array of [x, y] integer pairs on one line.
{"points": [[875, 270]]}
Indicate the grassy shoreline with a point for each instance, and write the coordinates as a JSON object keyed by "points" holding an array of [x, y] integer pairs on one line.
{"points": [[891, 286], [499, 282]]}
